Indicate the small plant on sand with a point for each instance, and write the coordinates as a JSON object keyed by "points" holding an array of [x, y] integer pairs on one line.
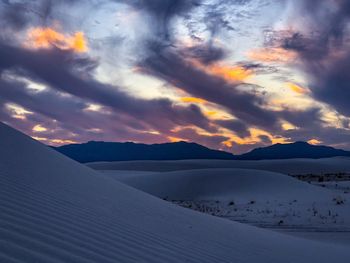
{"points": [[339, 200]]}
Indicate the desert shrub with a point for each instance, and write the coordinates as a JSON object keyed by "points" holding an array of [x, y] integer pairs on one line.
{"points": [[339, 200]]}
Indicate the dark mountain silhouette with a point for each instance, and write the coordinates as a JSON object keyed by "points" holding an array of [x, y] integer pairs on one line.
{"points": [[293, 150], [116, 151]]}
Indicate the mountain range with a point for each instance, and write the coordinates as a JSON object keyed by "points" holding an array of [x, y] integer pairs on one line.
{"points": [[94, 151], [293, 150], [116, 151]]}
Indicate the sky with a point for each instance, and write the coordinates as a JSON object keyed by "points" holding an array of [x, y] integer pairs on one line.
{"points": [[231, 75]]}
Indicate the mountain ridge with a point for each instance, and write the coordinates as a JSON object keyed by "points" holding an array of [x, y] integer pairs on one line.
{"points": [[99, 151], [299, 149], [94, 151]]}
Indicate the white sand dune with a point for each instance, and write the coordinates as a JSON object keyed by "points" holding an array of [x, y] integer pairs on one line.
{"points": [[223, 184], [256, 197], [290, 166], [55, 210]]}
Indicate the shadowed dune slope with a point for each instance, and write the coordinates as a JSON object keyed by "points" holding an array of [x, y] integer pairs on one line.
{"points": [[289, 166], [222, 184]]}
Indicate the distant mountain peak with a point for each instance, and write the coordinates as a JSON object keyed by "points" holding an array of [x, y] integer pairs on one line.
{"points": [[298, 149], [301, 142]]}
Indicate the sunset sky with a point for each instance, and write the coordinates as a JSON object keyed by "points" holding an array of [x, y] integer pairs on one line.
{"points": [[230, 75]]}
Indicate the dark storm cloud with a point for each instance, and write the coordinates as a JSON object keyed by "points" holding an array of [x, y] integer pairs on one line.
{"points": [[331, 83], [16, 15], [259, 68], [51, 109], [237, 126], [325, 52], [65, 72], [62, 71], [77, 125], [301, 118], [169, 65], [221, 16], [162, 11], [20, 13], [205, 53], [48, 103], [66, 117], [327, 16], [215, 20]]}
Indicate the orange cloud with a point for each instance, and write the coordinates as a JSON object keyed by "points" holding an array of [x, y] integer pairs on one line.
{"points": [[39, 138], [314, 141], [59, 141], [227, 143], [288, 126], [79, 42], [193, 100], [234, 73], [46, 37], [17, 112], [211, 113], [278, 55], [53, 141], [230, 73], [39, 128], [175, 139], [296, 88]]}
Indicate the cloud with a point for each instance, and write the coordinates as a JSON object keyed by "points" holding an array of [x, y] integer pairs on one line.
{"points": [[193, 100], [169, 65], [14, 15], [73, 104], [297, 88], [238, 127], [302, 118], [208, 140], [72, 85], [162, 12], [272, 55], [323, 49], [62, 71], [206, 53], [47, 37], [197, 70], [65, 118], [19, 14]]}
